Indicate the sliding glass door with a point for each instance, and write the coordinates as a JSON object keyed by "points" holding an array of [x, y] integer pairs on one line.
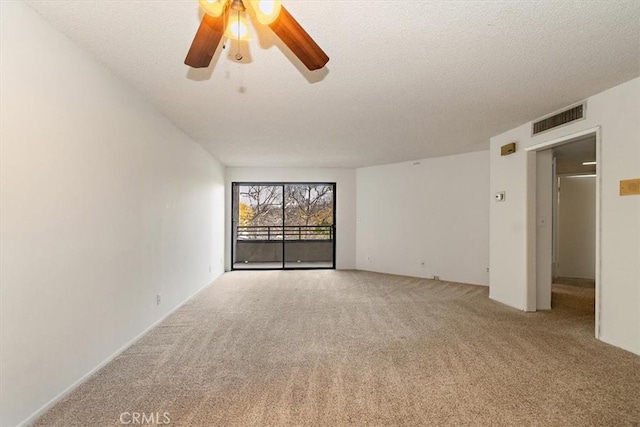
{"points": [[283, 225], [308, 225], [258, 216]]}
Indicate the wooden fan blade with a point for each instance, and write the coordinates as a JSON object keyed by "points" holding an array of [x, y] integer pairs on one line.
{"points": [[297, 39], [206, 41]]}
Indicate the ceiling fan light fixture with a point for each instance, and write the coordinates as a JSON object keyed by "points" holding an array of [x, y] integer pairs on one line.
{"points": [[212, 7], [238, 28], [238, 5], [266, 10], [213, 29]]}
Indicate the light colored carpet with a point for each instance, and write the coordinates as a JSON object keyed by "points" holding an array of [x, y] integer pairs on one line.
{"points": [[329, 348]]}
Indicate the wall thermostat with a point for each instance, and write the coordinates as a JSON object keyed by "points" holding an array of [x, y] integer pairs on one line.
{"points": [[500, 196]]}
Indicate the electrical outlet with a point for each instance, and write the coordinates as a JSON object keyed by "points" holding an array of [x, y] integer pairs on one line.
{"points": [[436, 277], [369, 258], [422, 263], [158, 299], [487, 269]]}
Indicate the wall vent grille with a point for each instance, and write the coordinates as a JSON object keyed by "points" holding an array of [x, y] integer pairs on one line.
{"points": [[559, 119]]}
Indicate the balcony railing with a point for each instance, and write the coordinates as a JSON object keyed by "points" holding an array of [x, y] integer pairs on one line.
{"points": [[268, 233]]}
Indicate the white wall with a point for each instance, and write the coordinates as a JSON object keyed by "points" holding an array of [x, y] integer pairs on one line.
{"points": [[617, 112], [104, 204], [577, 228], [345, 180], [436, 212]]}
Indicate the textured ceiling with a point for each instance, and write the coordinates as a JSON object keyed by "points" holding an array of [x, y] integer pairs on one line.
{"points": [[406, 80]]}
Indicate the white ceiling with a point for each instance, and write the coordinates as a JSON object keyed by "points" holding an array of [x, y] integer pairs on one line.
{"points": [[406, 80]]}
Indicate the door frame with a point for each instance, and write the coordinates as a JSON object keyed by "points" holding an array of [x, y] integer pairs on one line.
{"points": [[283, 184], [532, 216]]}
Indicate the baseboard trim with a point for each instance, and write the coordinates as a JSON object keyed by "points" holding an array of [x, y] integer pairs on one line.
{"points": [[623, 346], [441, 280], [38, 413]]}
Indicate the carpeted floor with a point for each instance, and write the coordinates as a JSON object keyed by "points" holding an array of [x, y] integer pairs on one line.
{"points": [[331, 348]]}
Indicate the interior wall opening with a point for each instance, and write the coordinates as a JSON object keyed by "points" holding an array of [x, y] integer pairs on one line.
{"points": [[567, 225]]}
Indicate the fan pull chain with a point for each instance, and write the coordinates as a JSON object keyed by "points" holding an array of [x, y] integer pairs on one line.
{"points": [[238, 55], [224, 28]]}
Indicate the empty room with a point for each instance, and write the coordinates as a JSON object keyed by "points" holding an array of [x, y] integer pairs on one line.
{"points": [[319, 213]]}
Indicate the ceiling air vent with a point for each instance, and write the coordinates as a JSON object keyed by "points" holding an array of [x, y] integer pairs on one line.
{"points": [[559, 119]]}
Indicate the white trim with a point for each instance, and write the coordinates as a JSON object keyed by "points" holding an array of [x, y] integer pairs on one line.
{"points": [[564, 140], [38, 413], [598, 229]]}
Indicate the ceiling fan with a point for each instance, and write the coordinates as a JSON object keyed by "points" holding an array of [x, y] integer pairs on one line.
{"points": [[223, 18]]}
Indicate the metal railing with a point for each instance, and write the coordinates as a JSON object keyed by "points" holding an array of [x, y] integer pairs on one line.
{"points": [[288, 232]]}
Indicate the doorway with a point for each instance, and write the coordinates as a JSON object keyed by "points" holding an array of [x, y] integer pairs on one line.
{"points": [[567, 220], [279, 226], [574, 226]]}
